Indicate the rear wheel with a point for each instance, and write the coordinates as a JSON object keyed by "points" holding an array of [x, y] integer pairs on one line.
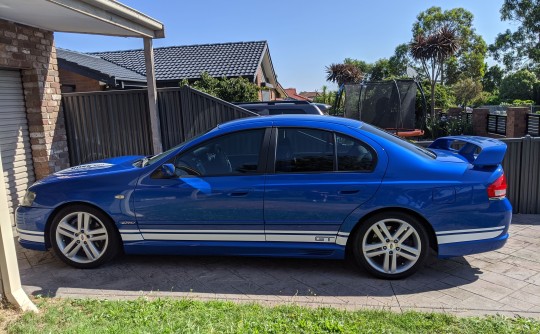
{"points": [[391, 245], [83, 236]]}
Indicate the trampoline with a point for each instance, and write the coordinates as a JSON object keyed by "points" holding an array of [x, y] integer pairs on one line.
{"points": [[390, 105]]}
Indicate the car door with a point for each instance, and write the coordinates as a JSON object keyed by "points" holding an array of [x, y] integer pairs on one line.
{"points": [[317, 179], [216, 195]]}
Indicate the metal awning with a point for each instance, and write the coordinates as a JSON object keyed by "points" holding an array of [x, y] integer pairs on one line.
{"points": [[100, 17]]}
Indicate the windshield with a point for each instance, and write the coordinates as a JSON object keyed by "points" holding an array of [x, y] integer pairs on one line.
{"points": [[149, 160], [399, 141]]}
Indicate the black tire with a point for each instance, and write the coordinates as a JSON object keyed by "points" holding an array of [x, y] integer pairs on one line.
{"points": [[81, 246], [378, 261]]}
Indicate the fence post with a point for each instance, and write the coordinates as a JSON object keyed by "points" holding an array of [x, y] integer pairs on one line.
{"points": [[479, 121], [524, 184], [516, 122]]}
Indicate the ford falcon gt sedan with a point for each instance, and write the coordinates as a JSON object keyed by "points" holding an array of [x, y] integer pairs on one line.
{"points": [[303, 186]]}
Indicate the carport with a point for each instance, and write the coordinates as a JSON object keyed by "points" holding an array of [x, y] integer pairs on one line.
{"points": [[28, 67]]}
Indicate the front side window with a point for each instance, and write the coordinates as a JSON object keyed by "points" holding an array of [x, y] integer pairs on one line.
{"points": [[304, 150], [232, 154]]}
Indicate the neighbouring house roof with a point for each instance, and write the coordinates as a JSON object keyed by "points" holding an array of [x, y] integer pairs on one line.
{"points": [[291, 94], [309, 95], [174, 63], [96, 67]]}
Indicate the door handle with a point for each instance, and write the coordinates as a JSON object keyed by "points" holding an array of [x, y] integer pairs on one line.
{"points": [[349, 192], [239, 193]]}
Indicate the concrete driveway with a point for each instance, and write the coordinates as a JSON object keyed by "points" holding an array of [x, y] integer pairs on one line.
{"points": [[506, 281]]}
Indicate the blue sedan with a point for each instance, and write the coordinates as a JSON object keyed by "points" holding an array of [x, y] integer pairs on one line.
{"points": [[281, 186]]}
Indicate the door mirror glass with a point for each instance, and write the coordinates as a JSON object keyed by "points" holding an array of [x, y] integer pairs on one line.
{"points": [[168, 170]]}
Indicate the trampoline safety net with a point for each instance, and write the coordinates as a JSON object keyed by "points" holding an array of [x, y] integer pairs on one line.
{"points": [[387, 104]]}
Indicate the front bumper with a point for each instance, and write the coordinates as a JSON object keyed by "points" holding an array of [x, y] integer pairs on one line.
{"points": [[31, 224]]}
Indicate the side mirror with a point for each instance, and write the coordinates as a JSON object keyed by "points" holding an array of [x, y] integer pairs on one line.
{"points": [[168, 170]]}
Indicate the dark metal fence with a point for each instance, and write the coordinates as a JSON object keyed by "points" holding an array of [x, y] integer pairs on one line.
{"points": [[114, 123], [496, 124], [533, 125], [521, 165]]}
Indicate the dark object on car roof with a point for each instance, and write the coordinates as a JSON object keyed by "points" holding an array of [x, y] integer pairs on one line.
{"points": [[281, 107]]}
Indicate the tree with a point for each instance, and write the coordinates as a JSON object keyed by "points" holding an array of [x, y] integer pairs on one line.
{"points": [[469, 61], [516, 48], [228, 89], [380, 70], [399, 62], [493, 78], [343, 74], [361, 65], [518, 85], [467, 90], [432, 50]]}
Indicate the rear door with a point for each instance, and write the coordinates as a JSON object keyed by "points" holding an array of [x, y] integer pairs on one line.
{"points": [[317, 178]]}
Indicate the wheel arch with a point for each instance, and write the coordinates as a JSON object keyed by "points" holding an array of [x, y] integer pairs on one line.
{"points": [[429, 229], [68, 204]]}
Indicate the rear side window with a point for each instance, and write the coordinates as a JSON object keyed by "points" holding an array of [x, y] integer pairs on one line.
{"points": [[353, 155], [302, 150]]}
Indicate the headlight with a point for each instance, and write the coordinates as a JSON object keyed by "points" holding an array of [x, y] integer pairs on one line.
{"points": [[29, 198]]}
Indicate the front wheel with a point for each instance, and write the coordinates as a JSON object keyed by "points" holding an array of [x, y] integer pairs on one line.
{"points": [[83, 236], [391, 245]]}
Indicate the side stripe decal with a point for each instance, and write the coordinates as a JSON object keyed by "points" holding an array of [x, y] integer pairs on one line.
{"points": [[34, 236], [498, 228]]}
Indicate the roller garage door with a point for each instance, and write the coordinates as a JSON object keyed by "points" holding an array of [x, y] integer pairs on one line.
{"points": [[14, 138]]}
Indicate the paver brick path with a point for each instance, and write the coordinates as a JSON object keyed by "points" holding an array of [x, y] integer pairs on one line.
{"points": [[506, 281]]}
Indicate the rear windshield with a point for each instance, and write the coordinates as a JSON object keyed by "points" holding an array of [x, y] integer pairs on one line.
{"points": [[399, 141]]}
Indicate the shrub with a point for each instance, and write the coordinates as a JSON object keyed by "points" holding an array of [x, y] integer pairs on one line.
{"points": [[228, 89]]}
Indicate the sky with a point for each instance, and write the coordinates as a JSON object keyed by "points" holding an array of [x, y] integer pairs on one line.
{"points": [[304, 36]]}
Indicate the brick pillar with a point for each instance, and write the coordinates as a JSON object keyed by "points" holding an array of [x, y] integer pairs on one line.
{"points": [[479, 121], [516, 122]]}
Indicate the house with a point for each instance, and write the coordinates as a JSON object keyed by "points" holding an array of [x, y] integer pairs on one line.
{"points": [[81, 72], [309, 95], [126, 69], [292, 95]]}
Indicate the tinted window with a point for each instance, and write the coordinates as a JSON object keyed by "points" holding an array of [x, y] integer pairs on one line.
{"points": [[286, 111], [399, 141], [233, 154], [353, 155], [304, 150]]}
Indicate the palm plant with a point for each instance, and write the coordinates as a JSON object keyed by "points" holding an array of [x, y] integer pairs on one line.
{"points": [[343, 74], [432, 51]]}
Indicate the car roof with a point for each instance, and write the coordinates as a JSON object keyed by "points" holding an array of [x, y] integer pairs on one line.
{"points": [[290, 120]]}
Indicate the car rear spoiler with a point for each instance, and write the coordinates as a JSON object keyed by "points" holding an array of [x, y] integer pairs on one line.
{"points": [[491, 150]]}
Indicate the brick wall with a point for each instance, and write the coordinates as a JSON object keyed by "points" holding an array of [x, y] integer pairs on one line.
{"points": [[259, 80], [78, 82], [32, 51]]}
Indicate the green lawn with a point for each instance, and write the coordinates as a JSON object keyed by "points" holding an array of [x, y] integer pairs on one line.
{"points": [[188, 316]]}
